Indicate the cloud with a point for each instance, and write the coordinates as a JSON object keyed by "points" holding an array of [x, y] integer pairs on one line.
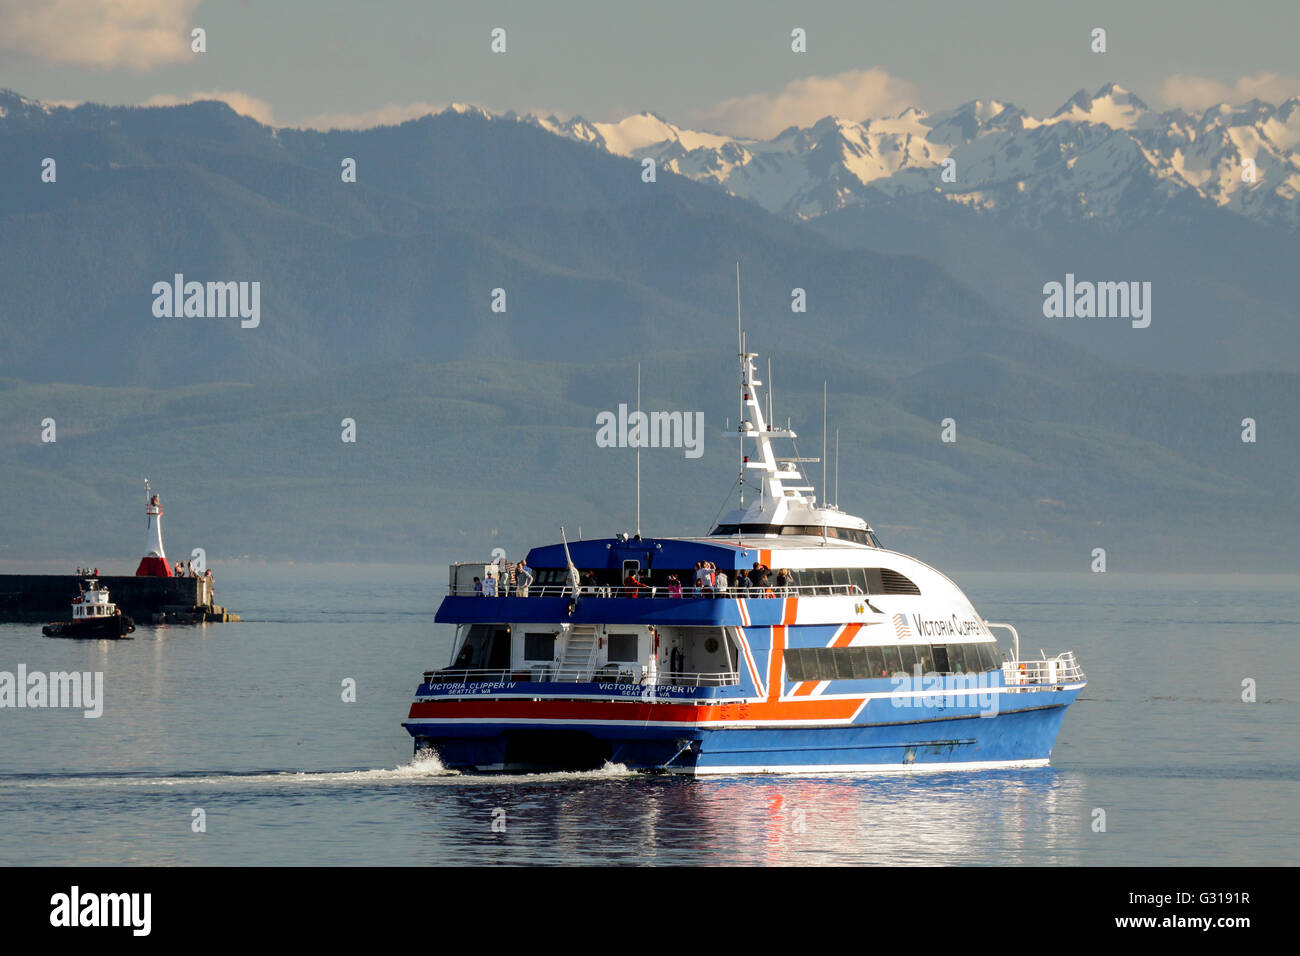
{"points": [[241, 103], [1200, 92], [854, 94], [105, 34], [392, 114]]}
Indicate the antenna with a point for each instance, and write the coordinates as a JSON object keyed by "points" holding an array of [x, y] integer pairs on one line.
{"points": [[769, 392], [837, 469], [823, 444], [739, 341], [640, 437], [740, 420]]}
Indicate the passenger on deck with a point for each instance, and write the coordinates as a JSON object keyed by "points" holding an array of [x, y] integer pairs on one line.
{"points": [[720, 580], [632, 587], [701, 578], [478, 588], [588, 582], [523, 579], [490, 586], [674, 586], [742, 580]]}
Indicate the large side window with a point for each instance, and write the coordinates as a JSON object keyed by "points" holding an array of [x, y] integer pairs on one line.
{"points": [[623, 648], [539, 647], [796, 664]]}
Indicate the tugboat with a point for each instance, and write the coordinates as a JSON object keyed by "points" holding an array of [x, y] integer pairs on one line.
{"points": [[787, 639], [93, 615]]}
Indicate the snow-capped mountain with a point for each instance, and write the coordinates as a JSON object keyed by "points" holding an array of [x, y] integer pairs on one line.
{"points": [[1098, 157]]}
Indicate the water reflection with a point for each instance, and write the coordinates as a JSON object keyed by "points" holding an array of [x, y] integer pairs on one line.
{"points": [[1013, 817]]}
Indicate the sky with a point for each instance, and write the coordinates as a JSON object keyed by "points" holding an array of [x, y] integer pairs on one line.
{"points": [[725, 66]]}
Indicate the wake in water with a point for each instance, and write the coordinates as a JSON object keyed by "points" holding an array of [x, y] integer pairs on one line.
{"points": [[424, 767]]}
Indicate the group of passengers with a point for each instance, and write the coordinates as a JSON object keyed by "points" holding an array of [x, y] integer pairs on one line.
{"points": [[711, 581], [708, 581], [510, 580]]}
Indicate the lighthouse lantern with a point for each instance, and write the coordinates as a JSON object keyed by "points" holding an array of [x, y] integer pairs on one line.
{"points": [[154, 563]]}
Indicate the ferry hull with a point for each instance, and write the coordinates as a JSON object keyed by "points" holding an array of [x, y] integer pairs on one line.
{"points": [[932, 739]]}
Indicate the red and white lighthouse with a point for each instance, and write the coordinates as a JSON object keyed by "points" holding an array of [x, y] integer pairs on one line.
{"points": [[154, 563]]}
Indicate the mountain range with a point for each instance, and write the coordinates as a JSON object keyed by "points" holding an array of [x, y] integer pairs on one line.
{"points": [[476, 426], [1107, 158]]}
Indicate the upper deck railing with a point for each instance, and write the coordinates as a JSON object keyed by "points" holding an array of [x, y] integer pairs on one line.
{"points": [[606, 673], [661, 591]]}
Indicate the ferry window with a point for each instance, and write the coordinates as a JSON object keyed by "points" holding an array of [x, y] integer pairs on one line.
{"points": [[895, 583], [623, 648], [925, 658], [875, 662], [796, 664], [873, 580], [957, 658], [908, 652], [825, 667], [859, 662], [844, 663], [941, 659], [823, 578], [893, 662], [539, 647], [858, 578], [991, 659], [840, 577]]}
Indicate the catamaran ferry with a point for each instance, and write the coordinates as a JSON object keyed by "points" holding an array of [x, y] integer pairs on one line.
{"points": [[787, 640]]}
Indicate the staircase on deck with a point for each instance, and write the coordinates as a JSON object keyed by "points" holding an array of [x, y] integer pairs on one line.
{"points": [[579, 653]]}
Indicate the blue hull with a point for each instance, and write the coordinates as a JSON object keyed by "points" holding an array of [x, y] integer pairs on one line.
{"points": [[886, 739]]}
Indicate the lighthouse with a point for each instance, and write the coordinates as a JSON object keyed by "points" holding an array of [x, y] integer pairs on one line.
{"points": [[154, 563]]}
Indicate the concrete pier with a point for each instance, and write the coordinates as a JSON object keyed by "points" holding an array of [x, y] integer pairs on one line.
{"points": [[41, 598]]}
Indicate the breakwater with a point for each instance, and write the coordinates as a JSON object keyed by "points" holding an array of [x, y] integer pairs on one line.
{"points": [[33, 598]]}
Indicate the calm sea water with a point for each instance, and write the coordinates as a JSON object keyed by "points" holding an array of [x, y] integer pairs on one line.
{"points": [[247, 722]]}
